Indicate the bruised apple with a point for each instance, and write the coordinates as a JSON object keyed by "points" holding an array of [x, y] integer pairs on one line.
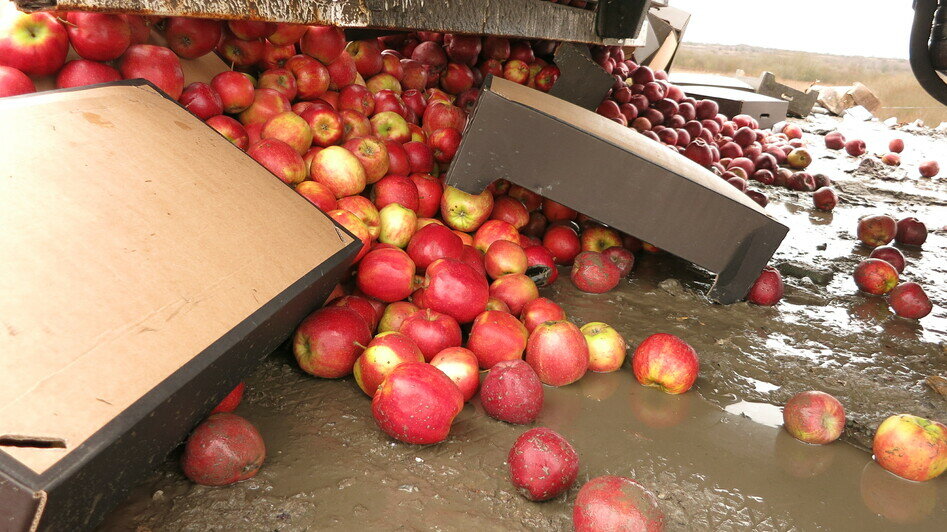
{"points": [[543, 464], [225, 448]]}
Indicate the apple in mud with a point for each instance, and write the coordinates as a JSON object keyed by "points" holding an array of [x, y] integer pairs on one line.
{"points": [[397, 225], [456, 289], [543, 464], [558, 352], [497, 337], [877, 230], [767, 290], [492, 231], [911, 447], [825, 199], [606, 347], [280, 159], [594, 273], [417, 404], [386, 274], [516, 290], [225, 448], [327, 343], [623, 258], [512, 392], [855, 147], [36, 44], [909, 300], [911, 232], [814, 417], [465, 212], [616, 503], [460, 365], [504, 257], [875, 276], [929, 168], [541, 310], [433, 242], [431, 331], [835, 141], [666, 362], [382, 355]]}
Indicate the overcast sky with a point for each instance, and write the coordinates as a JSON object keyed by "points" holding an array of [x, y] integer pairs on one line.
{"points": [[874, 28]]}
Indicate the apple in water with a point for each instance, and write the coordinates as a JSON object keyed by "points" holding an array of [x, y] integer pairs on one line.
{"points": [[875, 276], [616, 503], [417, 404], [381, 356], [814, 417], [911, 447], [460, 365], [225, 448], [606, 347], [327, 343], [767, 290], [543, 464], [539, 311], [666, 362], [877, 230], [594, 273], [497, 337], [909, 300], [911, 232], [512, 392], [35, 44], [541, 265], [558, 352], [891, 255], [514, 289]]}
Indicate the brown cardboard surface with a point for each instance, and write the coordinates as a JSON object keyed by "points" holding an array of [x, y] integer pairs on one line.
{"points": [[132, 243], [765, 109], [619, 177]]}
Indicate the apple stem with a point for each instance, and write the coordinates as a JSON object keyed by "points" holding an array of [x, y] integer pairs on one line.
{"points": [[66, 22]]}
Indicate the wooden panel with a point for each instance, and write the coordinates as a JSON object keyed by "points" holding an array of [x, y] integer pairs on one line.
{"points": [[532, 19]]}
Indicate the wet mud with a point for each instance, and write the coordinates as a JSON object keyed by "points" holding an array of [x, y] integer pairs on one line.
{"points": [[716, 457]]}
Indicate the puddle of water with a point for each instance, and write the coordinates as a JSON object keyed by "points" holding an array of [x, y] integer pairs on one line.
{"points": [[763, 413]]}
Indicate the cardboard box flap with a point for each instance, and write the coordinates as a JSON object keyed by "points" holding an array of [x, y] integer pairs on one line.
{"points": [[102, 303], [624, 137]]}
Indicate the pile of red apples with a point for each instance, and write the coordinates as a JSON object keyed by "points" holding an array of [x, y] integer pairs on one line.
{"points": [[446, 284]]}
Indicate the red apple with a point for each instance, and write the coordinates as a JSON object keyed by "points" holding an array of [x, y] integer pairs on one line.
{"points": [[665, 361], [432, 332], [84, 72], [325, 43], [312, 77], [415, 75], [623, 258], [417, 404], [512, 392], [336, 168], [342, 71], [911, 447], [558, 352], [461, 366], [397, 158], [327, 343], [877, 230], [541, 310], [543, 465], [606, 347], [317, 194], [362, 305], [563, 242], [355, 226], [396, 189], [456, 289], [240, 53], [616, 503], [929, 168], [420, 157], [251, 29], [835, 141], [236, 91], [289, 128], [909, 300], [875, 276], [855, 147], [231, 401], [444, 144], [492, 231], [35, 44], [510, 210], [386, 274], [389, 125], [280, 159], [279, 79], [594, 273], [373, 155], [267, 103], [326, 125], [382, 355], [889, 254], [504, 257], [355, 125], [463, 211], [357, 98], [156, 64], [397, 225], [456, 78], [395, 314], [767, 290], [541, 266], [557, 211], [222, 450], [825, 199], [191, 38], [814, 417], [367, 57], [439, 115], [97, 36], [516, 290], [911, 232], [287, 33], [496, 337], [433, 242]]}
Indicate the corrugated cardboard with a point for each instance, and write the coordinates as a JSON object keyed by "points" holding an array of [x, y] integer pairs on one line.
{"points": [[148, 265], [766, 110], [617, 176], [582, 81]]}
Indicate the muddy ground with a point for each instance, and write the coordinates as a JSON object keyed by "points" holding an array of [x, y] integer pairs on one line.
{"points": [[715, 457]]}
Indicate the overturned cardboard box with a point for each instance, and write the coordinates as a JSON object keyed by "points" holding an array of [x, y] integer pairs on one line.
{"points": [[148, 265], [619, 177]]}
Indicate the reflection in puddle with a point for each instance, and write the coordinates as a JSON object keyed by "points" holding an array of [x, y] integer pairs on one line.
{"points": [[762, 413]]}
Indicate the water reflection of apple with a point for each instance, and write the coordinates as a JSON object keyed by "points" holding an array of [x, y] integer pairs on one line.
{"points": [[657, 409], [601, 386], [896, 499], [802, 460], [871, 309]]}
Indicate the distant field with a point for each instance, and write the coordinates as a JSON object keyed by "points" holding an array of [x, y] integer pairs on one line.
{"points": [[890, 79]]}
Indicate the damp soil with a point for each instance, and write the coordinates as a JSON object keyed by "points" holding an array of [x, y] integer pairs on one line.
{"points": [[715, 457]]}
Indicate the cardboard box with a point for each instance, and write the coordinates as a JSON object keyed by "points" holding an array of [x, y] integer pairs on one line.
{"points": [[666, 26], [708, 80], [800, 103], [766, 110], [581, 81], [619, 177], [148, 265]]}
